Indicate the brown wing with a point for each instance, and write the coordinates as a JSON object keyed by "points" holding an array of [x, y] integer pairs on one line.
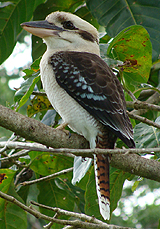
{"points": [[89, 80]]}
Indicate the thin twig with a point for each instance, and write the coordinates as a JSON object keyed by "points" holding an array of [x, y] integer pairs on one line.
{"points": [[76, 223], [154, 99], [49, 225], [29, 147], [18, 175], [49, 177], [6, 157], [80, 216], [128, 91], [76, 152], [144, 120], [2, 151], [142, 105], [69, 227], [39, 93]]}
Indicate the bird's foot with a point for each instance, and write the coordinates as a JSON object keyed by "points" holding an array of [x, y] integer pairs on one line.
{"points": [[62, 127]]}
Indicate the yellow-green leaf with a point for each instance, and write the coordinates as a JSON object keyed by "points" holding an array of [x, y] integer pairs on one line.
{"points": [[133, 47]]}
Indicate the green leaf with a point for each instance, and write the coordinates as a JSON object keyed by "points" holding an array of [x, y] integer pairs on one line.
{"points": [[25, 98], [12, 15], [8, 210], [117, 178], [12, 210], [23, 192], [133, 47], [112, 63], [52, 195], [158, 225], [25, 85], [35, 64], [146, 136], [91, 199], [117, 15], [6, 176], [34, 69], [46, 163], [84, 13], [75, 192], [136, 183], [21, 91]]}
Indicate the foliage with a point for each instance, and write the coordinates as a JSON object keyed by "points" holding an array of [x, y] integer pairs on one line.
{"points": [[8, 210], [134, 28], [6, 97], [12, 16], [116, 16]]}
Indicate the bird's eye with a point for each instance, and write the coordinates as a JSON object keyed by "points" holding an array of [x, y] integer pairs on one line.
{"points": [[68, 25]]}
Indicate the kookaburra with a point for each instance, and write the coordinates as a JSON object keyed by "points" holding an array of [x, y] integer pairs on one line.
{"points": [[83, 89]]}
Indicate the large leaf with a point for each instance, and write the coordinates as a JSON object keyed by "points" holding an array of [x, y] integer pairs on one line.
{"points": [[75, 192], [25, 98], [117, 15], [133, 47], [12, 15], [117, 178], [52, 194], [91, 199], [8, 210], [146, 136], [46, 163]]}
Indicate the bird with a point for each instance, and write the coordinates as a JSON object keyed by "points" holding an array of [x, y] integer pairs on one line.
{"points": [[83, 89]]}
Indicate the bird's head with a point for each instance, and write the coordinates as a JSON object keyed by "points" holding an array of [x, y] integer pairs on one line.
{"points": [[65, 31]]}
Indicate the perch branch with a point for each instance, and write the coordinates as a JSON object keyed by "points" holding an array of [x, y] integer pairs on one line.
{"points": [[36, 131], [125, 159], [77, 152]]}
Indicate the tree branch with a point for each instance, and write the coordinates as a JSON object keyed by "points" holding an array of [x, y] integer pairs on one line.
{"points": [[63, 151], [75, 223], [142, 105], [137, 165], [80, 216], [36, 131], [154, 99], [125, 159]]}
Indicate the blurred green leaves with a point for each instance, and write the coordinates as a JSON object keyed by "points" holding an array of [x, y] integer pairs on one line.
{"points": [[12, 15]]}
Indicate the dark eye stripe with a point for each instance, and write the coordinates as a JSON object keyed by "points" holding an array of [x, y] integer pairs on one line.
{"points": [[86, 36]]}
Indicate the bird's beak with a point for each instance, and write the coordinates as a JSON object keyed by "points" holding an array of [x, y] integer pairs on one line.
{"points": [[41, 28]]}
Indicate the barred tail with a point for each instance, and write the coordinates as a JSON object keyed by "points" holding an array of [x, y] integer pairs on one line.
{"points": [[101, 164]]}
